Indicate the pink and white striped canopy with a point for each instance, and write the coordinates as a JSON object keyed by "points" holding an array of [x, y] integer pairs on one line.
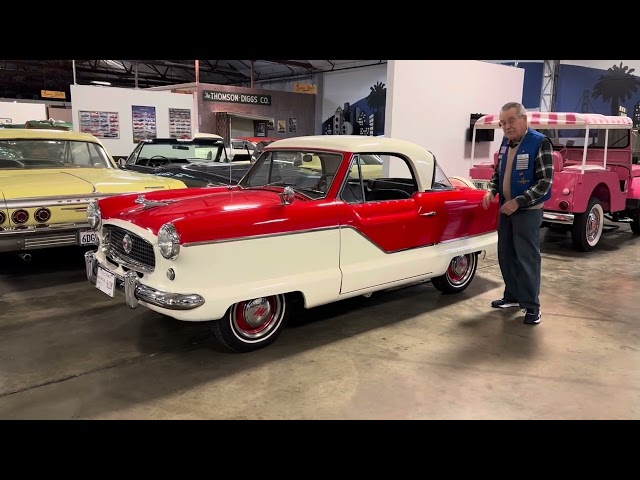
{"points": [[561, 120]]}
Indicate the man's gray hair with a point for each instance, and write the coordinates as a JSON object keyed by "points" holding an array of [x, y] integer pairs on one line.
{"points": [[520, 110]]}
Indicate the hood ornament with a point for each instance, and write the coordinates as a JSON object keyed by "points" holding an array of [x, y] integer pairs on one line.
{"points": [[152, 203], [287, 196]]}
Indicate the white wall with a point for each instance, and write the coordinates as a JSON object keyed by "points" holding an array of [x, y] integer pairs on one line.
{"points": [[349, 86], [20, 112], [112, 99], [429, 103]]}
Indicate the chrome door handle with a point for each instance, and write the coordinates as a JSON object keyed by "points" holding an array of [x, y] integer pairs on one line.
{"points": [[427, 214]]}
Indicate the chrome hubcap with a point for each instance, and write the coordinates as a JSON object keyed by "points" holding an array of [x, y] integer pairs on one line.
{"points": [[256, 312], [593, 225]]}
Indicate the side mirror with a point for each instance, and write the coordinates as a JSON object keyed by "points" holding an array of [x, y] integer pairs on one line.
{"points": [[122, 162]]}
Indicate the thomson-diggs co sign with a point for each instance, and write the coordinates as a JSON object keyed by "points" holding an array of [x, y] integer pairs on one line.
{"points": [[230, 97]]}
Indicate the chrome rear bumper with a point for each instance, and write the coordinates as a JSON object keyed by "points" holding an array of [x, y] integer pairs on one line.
{"points": [[34, 238], [556, 217], [135, 292]]}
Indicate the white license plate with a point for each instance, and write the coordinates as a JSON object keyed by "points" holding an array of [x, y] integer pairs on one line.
{"points": [[106, 281], [88, 237]]}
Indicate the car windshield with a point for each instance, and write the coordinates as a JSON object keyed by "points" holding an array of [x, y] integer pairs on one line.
{"points": [[41, 153], [307, 172], [193, 151]]}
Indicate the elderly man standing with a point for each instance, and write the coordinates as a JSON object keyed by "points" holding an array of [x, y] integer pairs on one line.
{"points": [[523, 177]]}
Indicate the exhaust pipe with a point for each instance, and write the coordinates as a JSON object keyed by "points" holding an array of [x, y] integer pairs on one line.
{"points": [[25, 256]]}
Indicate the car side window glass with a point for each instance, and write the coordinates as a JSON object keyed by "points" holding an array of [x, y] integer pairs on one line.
{"points": [[440, 180], [379, 177]]}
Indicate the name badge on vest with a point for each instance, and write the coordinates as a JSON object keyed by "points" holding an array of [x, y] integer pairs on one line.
{"points": [[503, 149], [522, 161]]}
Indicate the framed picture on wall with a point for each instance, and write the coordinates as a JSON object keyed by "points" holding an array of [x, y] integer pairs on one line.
{"points": [[293, 125], [270, 124], [179, 123], [144, 122], [100, 124], [282, 126], [260, 129]]}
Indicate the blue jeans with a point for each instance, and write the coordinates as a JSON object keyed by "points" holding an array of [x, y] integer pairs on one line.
{"points": [[519, 256]]}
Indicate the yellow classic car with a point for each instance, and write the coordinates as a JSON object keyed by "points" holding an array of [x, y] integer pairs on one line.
{"points": [[47, 179]]}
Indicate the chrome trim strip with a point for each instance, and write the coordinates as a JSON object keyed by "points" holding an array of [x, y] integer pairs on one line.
{"points": [[264, 235], [320, 229], [415, 248], [37, 229], [135, 291], [30, 202]]}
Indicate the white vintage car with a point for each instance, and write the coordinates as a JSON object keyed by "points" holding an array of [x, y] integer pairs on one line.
{"points": [[241, 256]]}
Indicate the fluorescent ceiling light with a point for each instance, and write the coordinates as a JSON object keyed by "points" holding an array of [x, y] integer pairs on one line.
{"points": [[98, 82]]}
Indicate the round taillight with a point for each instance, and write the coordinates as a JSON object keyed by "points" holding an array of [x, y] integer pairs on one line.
{"points": [[564, 205], [42, 215], [3, 217], [20, 216]]}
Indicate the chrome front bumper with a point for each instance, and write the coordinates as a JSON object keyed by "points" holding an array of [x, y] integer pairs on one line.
{"points": [[134, 291]]}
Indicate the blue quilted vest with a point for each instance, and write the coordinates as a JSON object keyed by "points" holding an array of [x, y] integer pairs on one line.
{"points": [[523, 173]]}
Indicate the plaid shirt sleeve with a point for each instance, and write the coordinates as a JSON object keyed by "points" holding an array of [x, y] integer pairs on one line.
{"points": [[544, 176], [493, 184]]}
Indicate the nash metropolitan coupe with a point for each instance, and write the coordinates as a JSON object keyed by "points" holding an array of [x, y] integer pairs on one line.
{"points": [[47, 179], [241, 256]]}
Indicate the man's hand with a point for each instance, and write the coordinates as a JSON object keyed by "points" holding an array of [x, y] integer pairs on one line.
{"points": [[487, 199], [509, 207]]}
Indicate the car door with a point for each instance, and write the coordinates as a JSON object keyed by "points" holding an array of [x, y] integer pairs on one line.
{"points": [[387, 226]]}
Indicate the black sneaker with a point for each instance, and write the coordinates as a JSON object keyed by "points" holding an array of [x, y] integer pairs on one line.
{"points": [[502, 303], [532, 316]]}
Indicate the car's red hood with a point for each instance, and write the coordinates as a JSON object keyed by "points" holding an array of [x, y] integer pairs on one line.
{"points": [[220, 213]]}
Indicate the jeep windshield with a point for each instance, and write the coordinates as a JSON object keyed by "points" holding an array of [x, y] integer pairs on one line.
{"points": [[41, 153], [310, 173]]}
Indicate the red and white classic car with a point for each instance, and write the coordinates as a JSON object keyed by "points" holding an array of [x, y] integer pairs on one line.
{"points": [[242, 255], [594, 174]]}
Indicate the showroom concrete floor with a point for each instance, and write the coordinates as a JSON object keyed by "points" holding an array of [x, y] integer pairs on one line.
{"points": [[68, 351]]}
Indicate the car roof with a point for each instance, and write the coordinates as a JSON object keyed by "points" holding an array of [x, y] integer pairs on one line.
{"points": [[423, 160], [41, 133], [351, 143]]}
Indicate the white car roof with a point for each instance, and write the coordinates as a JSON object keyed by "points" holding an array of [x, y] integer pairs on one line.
{"points": [[422, 158]]}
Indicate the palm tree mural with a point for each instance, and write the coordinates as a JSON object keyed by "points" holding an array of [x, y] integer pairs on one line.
{"points": [[376, 101], [617, 85]]}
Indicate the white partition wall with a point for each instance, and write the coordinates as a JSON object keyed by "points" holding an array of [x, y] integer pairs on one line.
{"points": [[21, 112], [105, 102], [429, 102]]}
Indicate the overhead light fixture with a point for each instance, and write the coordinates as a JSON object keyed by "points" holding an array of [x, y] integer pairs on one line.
{"points": [[100, 82]]}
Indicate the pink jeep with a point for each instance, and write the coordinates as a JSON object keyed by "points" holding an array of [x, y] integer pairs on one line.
{"points": [[594, 174]]}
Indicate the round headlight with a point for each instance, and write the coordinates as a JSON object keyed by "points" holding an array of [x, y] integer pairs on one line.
{"points": [[94, 217], [169, 241]]}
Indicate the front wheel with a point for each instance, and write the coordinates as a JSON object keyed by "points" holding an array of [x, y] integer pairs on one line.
{"points": [[458, 276], [588, 226], [252, 324]]}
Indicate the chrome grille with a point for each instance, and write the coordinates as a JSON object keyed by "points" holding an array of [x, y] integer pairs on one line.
{"points": [[141, 250]]}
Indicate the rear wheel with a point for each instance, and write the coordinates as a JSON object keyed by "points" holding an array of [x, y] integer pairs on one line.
{"points": [[587, 227], [252, 324], [461, 271]]}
